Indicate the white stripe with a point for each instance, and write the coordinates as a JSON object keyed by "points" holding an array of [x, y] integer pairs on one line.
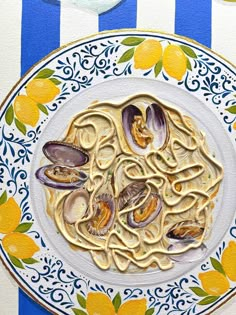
{"points": [[76, 23], [10, 39], [156, 14], [223, 29], [8, 293]]}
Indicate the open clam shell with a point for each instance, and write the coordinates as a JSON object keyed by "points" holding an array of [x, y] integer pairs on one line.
{"points": [[65, 154], [61, 177], [191, 255], [143, 135], [157, 124], [130, 193], [75, 205], [136, 132], [148, 212], [104, 215], [186, 230]]}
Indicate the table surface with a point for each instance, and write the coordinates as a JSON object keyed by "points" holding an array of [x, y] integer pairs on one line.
{"points": [[30, 29]]}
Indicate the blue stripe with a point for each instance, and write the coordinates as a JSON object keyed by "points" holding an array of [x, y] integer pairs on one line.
{"points": [[28, 307], [40, 35], [122, 16], [40, 31], [193, 19]]}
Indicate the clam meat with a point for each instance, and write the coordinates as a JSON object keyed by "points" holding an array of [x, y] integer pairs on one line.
{"points": [[61, 177], [146, 213], [187, 230], [103, 215], [144, 134], [64, 172]]}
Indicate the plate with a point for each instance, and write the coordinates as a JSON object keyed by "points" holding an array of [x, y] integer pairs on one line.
{"points": [[107, 67]]}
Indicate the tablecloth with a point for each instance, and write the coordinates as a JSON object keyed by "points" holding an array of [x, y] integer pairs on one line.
{"points": [[30, 29]]}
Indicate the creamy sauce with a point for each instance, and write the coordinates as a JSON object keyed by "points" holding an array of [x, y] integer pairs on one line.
{"points": [[182, 173]]}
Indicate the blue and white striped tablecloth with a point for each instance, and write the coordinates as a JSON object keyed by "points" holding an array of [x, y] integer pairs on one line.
{"points": [[30, 29]]}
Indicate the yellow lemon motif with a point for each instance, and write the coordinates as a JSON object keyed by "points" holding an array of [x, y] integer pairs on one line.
{"points": [[26, 110], [137, 307], [42, 90], [19, 245], [174, 62], [147, 54], [99, 304], [228, 260], [234, 125], [10, 214], [214, 282]]}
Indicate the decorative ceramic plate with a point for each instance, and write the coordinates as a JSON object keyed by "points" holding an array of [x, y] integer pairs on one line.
{"points": [[117, 171]]}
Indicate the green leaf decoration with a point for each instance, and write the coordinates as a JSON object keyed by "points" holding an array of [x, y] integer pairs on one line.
{"points": [[132, 41], [24, 227], [231, 110], [30, 261], [208, 300], [3, 197], [198, 291], [45, 73], [43, 108], [188, 51], [117, 302], [20, 126], [150, 311], [78, 312], [9, 116], [217, 265], [158, 68], [189, 67], [127, 55], [55, 81], [81, 300], [16, 262]]}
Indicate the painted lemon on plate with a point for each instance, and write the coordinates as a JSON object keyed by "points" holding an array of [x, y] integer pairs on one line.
{"points": [[137, 307], [99, 303], [147, 54], [214, 282], [174, 62], [10, 215], [26, 110], [42, 90], [19, 245], [228, 260]]}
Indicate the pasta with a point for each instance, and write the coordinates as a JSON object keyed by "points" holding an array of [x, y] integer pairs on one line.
{"points": [[147, 199]]}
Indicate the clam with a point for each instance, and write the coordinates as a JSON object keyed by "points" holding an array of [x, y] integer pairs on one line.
{"points": [[187, 230], [61, 177], [130, 193], [143, 135], [75, 205], [146, 213], [191, 255], [64, 153], [64, 172], [104, 215]]}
